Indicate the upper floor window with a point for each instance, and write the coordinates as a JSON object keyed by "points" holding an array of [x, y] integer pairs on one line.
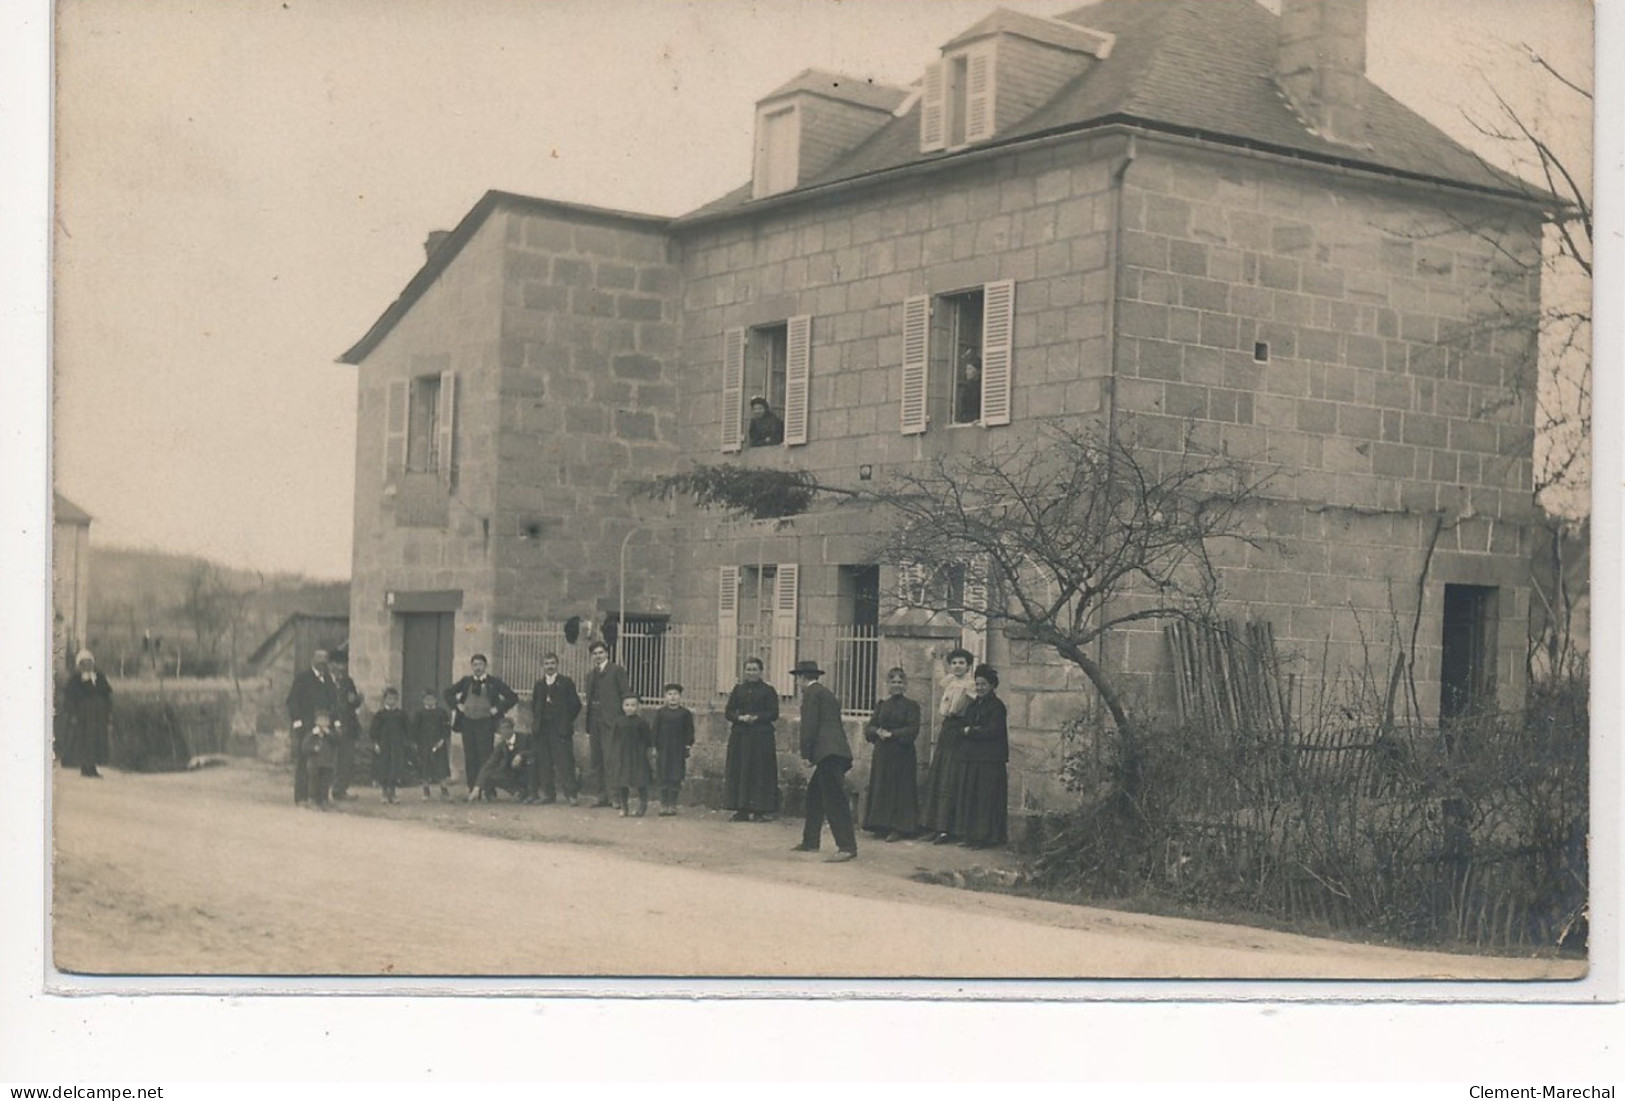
{"points": [[772, 364], [420, 417], [957, 357], [766, 362], [423, 423], [961, 356]]}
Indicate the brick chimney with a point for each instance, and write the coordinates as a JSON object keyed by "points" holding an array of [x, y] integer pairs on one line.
{"points": [[433, 242], [1321, 66]]}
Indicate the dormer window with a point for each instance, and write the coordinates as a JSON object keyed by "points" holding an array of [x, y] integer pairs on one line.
{"points": [[805, 126], [778, 150], [957, 101], [998, 72]]}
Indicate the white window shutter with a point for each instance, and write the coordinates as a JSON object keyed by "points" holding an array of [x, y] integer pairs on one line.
{"points": [[998, 317], [396, 410], [786, 580], [727, 627], [973, 620], [932, 116], [916, 357], [446, 425], [910, 584], [733, 388], [797, 372], [979, 94]]}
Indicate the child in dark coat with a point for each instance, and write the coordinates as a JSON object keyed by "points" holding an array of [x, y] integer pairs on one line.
{"points": [[673, 737], [321, 752], [431, 742], [626, 757], [391, 737]]}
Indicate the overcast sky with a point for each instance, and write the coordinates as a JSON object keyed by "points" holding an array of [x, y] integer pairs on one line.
{"points": [[244, 185]]}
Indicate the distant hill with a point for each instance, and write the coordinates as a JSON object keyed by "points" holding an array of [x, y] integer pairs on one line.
{"points": [[191, 605]]}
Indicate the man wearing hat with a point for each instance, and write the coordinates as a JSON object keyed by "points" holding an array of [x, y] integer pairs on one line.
{"points": [[87, 709], [346, 719], [824, 746], [478, 703]]}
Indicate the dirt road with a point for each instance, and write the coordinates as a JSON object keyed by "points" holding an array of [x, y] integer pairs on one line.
{"points": [[214, 872]]}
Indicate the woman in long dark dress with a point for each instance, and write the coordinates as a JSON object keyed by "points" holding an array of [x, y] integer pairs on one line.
{"points": [[87, 709], [981, 810], [942, 785], [751, 770], [892, 809]]}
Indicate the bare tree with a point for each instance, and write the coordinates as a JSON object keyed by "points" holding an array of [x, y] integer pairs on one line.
{"points": [[202, 607], [1535, 142], [1062, 536], [216, 607], [1529, 139]]}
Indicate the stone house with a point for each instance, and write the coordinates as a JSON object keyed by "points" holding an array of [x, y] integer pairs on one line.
{"points": [[1192, 215]]}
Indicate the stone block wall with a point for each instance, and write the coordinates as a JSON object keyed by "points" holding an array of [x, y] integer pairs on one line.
{"points": [[1040, 218], [1385, 404], [588, 400], [454, 326]]}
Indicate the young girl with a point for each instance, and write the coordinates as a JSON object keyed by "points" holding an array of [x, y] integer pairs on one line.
{"points": [[943, 784], [431, 738], [390, 737], [626, 757], [674, 735]]}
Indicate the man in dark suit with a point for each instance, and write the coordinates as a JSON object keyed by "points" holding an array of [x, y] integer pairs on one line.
{"points": [[554, 705], [313, 690], [478, 703], [346, 721], [824, 746], [607, 685]]}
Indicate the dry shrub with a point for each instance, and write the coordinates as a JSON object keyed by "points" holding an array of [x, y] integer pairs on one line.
{"points": [[1471, 835]]}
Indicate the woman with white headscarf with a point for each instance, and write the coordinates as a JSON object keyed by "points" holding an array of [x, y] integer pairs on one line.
{"points": [[87, 708]]}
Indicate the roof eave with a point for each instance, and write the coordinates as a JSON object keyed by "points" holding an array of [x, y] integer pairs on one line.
{"points": [[1103, 125], [448, 249]]}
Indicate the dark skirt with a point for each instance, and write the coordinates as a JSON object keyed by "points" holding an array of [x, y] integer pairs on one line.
{"points": [[751, 772], [434, 765], [942, 785], [671, 759], [626, 761], [392, 766], [981, 813], [894, 788]]}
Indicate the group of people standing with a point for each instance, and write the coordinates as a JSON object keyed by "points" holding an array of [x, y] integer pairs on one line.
{"points": [[966, 789], [968, 786], [533, 766]]}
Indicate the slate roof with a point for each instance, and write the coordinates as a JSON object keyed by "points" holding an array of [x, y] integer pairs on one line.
{"points": [[454, 241], [849, 89], [1197, 67]]}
